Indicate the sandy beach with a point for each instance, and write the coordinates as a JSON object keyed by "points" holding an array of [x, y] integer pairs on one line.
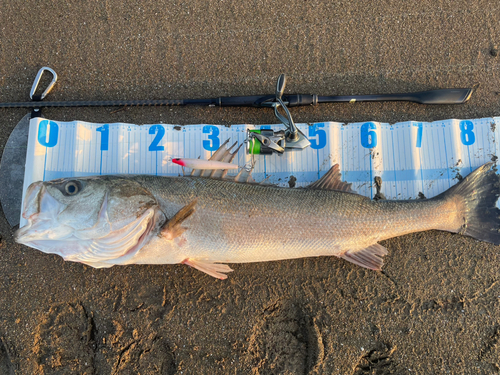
{"points": [[433, 310]]}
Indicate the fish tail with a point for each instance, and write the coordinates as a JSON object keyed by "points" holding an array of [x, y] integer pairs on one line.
{"points": [[478, 193]]}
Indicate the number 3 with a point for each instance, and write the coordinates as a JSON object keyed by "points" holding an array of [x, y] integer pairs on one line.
{"points": [[213, 143]]}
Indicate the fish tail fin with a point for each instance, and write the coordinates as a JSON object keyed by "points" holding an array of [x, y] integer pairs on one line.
{"points": [[479, 192]]}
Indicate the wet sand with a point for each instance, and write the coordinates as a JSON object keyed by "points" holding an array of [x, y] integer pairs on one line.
{"points": [[434, 309]]}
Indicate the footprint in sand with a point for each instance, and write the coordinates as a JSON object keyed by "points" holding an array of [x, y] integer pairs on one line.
{"points": [[282, 342], [6, 367], [63, 341]]}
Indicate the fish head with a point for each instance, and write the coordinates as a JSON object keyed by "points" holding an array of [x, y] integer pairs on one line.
{"points": [[93, 220]]}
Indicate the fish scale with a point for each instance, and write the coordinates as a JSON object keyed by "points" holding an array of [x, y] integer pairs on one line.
{"points": [[249, 223]]}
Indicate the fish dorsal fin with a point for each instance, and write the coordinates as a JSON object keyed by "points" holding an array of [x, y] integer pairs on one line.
{"points": [[217, 156], [226, 155], [331, 181], [245, 175], [173, 228]]}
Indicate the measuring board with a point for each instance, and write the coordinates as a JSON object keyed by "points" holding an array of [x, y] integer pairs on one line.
{"points": [[411, 157]]}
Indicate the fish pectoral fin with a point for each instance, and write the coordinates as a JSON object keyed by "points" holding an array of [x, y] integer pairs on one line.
{"points": [[370, 257], [173, 228], [216, 270]]}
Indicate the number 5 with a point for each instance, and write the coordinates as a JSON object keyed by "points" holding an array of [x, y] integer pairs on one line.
{"points": [[314, 131]]}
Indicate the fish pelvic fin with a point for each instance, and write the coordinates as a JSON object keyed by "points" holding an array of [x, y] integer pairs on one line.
{"points": [[370, 257], [331, 180], [478, 193], [173, 228], [216, 270]]}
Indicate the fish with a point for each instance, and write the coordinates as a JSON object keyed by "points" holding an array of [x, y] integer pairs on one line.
{"points": [[208, 220]]}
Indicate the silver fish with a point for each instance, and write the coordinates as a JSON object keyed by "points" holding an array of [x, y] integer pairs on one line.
{"points": [[205, 222]]}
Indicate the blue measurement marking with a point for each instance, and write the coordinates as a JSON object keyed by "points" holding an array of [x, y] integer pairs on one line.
{"points": [[446, 156], [360, 161], [45, 164], [371, 177], [403, 175], [156, 164], [90, 151], [317, 157], [420, 164], [492, 147], [404, 153], [394, 163], [421, 170], [342, 148], [470, 165], [265, 171], [265, 163], [140, 151]]}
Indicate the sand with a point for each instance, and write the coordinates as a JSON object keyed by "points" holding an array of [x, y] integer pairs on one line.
{"points": [[435, 308]]}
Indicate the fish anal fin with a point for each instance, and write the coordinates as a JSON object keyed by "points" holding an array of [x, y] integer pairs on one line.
{"points": [[331, 180], [216, 270], [370, 257], [173, 228]]}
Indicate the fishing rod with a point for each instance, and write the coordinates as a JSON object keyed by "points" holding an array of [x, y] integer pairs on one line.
{"points": [[259, 141], [440, 96]]}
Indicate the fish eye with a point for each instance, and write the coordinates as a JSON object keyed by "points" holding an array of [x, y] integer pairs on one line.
{"points": [[72, 188]]}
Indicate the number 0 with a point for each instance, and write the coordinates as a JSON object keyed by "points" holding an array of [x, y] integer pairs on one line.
{"points": [[48, 133]]}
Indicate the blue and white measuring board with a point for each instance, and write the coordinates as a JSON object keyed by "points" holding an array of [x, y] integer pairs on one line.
{"points": [[411, 157]]}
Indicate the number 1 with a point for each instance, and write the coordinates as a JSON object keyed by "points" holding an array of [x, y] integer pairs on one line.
{"points": [[104, 137]]}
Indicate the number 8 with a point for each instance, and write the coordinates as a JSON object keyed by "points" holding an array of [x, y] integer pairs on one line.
{"points": [[466, 135]]}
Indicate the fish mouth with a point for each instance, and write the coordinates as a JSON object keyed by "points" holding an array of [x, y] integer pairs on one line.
{"points": [[40, 210]]}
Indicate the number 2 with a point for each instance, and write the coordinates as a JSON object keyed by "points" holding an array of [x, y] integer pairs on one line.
{"points": [[160, 132]]}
